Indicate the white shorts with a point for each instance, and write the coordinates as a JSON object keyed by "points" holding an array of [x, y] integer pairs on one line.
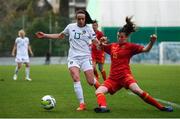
{"points": [[21, 60], [82, 63]]}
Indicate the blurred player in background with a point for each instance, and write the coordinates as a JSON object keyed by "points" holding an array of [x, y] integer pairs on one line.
{"points": [[20, 50], [81, 37], [98, 55], [120, 73], [48, 58]]}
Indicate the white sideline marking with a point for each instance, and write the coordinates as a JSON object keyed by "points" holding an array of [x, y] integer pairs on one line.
{"points": [[163, 101]]}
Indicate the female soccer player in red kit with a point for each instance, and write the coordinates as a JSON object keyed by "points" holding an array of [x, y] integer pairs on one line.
{"points": [[120, 73], [98, 55]]}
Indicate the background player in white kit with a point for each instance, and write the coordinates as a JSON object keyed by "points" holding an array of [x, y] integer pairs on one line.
{"points": [[80, 38], [20, 50]]}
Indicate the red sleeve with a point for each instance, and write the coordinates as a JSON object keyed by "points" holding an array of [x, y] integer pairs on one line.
{"points": [[136, 48], [107, 49], [101, 34]]}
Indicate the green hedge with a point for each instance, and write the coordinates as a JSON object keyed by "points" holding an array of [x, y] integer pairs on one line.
{"points": [[142, 34]]}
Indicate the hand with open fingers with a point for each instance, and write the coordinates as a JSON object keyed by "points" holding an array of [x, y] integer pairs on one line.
{"points": [[13, 54], [40, 35], [32, 54], [103, 39], [153, 38]]}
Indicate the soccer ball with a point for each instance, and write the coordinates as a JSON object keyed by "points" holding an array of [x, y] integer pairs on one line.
{"points": [[48, 102]]}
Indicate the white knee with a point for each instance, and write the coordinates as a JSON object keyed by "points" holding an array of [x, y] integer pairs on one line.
{"points": [[135, 89], [101, 89]]}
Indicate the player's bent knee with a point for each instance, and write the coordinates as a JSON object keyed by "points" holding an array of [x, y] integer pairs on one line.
{"points": [[27, 65], [98, 91], [19, 67], [101, 89]]}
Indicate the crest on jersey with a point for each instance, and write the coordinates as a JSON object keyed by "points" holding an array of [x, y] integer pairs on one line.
{"points": [[123, 47], [84, 31], [115, 56]]}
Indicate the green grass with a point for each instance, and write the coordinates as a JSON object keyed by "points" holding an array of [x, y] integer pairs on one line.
{"points": [[22, 98]]}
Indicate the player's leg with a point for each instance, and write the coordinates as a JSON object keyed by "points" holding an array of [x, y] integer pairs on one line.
{"points": [[101, 100], [95, 70], [91, 79], [87, 67], [147, 98], [108, 86], [18, 66], [101, 69], [27, 70], [74, 70]]}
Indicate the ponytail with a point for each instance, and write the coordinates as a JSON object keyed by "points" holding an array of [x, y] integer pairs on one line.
{"points": [[129, 27]]}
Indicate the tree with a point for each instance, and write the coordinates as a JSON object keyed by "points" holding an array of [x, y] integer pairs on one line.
{"points": [[18, 14], [64, 8]]}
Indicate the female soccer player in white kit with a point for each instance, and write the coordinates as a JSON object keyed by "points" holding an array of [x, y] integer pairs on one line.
{"points": [[20, 50], [80, 38]]}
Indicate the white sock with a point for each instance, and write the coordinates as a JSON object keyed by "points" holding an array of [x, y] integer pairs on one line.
{"points": [[79, 92], [27, 72], [16, 70]]}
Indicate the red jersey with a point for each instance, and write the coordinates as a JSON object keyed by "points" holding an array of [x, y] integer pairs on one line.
{"points": [[120, 58], [97, 54]]}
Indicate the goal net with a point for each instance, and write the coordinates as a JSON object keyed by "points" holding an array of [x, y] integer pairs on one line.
{"points": [[169, 53]]}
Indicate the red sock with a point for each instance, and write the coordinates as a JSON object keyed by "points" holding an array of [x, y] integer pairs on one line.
{"points": [[103, 72], [147, 98], [97, 84], [101, 100], [96, 74]]}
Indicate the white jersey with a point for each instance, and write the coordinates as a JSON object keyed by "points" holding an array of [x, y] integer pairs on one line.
{"points": [[80, 40], [22, 47]]}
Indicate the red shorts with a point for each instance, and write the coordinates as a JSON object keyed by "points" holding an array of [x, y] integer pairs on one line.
{"points": [[115, 85], [98, 59]]}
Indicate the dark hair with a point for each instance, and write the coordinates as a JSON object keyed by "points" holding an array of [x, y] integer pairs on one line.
{"points": [[95, 21], [129, 27], [88, 19]]}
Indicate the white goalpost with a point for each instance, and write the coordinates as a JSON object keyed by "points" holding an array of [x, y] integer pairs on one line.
{"points": [[169, 53]]}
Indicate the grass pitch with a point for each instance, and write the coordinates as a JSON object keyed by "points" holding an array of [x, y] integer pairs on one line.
{"points": [[21, 99]]}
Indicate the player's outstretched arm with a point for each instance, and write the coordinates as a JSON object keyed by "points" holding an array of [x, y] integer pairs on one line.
{"points": [[52, 36], [30, 50], [150, 44], [100, 43], [95, 41], [103, 41]]}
